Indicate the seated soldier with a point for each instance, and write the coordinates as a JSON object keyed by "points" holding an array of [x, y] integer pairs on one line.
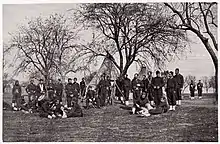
{"points": [[75, 111], [45, 108], [142, 105], [91, 97], [161, 108]]}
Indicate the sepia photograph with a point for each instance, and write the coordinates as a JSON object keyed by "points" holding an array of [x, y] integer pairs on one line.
{"points": [[110, 72]]}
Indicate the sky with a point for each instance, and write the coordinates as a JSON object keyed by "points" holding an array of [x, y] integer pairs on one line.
{"points": [[197, 62]]}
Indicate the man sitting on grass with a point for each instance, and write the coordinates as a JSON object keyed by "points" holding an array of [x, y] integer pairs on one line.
{"points": [[75, 111], [142, 105], [161, 108], [92, 97]]}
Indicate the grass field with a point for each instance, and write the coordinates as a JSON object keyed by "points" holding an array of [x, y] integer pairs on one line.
{"points": [[194, 121]]}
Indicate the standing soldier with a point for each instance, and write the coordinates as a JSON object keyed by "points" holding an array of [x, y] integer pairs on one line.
{"points": [[50, 90], [59, 91], [102, 90], [31, 90], [199, 87], [192, 87], [82, 88], [76, 90], [144, 84], [136, 89], [69, 92], [16, 92], [150, 88], [157, 83], [119, 88], [126, 88], [41, 89], [108, 85], [171, 87], [180, 82]]}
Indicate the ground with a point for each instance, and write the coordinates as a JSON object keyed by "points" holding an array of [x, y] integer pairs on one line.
{"points": [[194, 121]]}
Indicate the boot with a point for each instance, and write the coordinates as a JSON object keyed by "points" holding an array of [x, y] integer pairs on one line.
{"points": [[174, 107], [179, 102], [133, 110], [171, 108], [13, 105], [126, 103]]}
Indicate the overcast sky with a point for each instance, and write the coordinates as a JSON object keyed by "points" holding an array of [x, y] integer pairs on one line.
{"points": [[197, 63]]}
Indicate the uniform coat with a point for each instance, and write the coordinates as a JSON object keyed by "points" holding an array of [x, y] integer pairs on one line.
{"points": [[192, 87], [82, 88], [59, 91], [199, 87], [180, 82], [157, 83], [171, 91], [126, 87], [136, 88], [102, 91], [69, 93], [16, 92]]}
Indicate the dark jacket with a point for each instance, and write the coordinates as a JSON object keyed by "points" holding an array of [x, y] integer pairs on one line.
{"points": [[31, 89], [76, 88], [179, 80], [171, 83], [192, 87], [157, 81], [69, 89], [135, 84]]}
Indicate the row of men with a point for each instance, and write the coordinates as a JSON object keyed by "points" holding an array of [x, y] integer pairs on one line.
{"points": [[153, 87], [192, 89], [48, 108]]}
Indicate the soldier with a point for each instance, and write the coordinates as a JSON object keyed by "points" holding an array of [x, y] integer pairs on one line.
{"points": [[143, 84], [180, 82], [143, 105], [82, 87], [136, 89], [51, 90], [76, 90], [41, 89], [157, 83], [102, 90], [45, 109], [16, 92], [171, 90], [126, 88], [74, 111], [59, 91], [119, 89], [69, 92], [91, 97], [108, 85], [199, 88], [161, 108], [192, 87], [149, 87], [31, 90]]}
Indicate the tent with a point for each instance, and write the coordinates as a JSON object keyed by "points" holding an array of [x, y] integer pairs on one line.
{"points": [[108, 68]]}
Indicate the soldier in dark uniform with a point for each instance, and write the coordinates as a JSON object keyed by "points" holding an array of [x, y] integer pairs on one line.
{"points": [[76, 90], [31, 90], [91, 97], [41, 89], [136, 89], [126, 88], [16, 92], [144, 84], [51, 90], [119, 89], [161, 108], [59, 91], [180, 82], [199, 88], [69, 92], [157, 83], [102, 90], [149, 87], [45, 109], [74, 111], [171, 91], [108, 85], [82, 87], [192, 88]]}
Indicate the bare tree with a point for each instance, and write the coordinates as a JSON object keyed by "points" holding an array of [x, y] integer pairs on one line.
{"points": [[132, 32], [206, 83], [43, 44], [201, 19], [187, 81]]}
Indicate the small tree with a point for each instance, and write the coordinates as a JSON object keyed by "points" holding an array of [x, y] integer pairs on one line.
{"points": [[206, 83]]}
